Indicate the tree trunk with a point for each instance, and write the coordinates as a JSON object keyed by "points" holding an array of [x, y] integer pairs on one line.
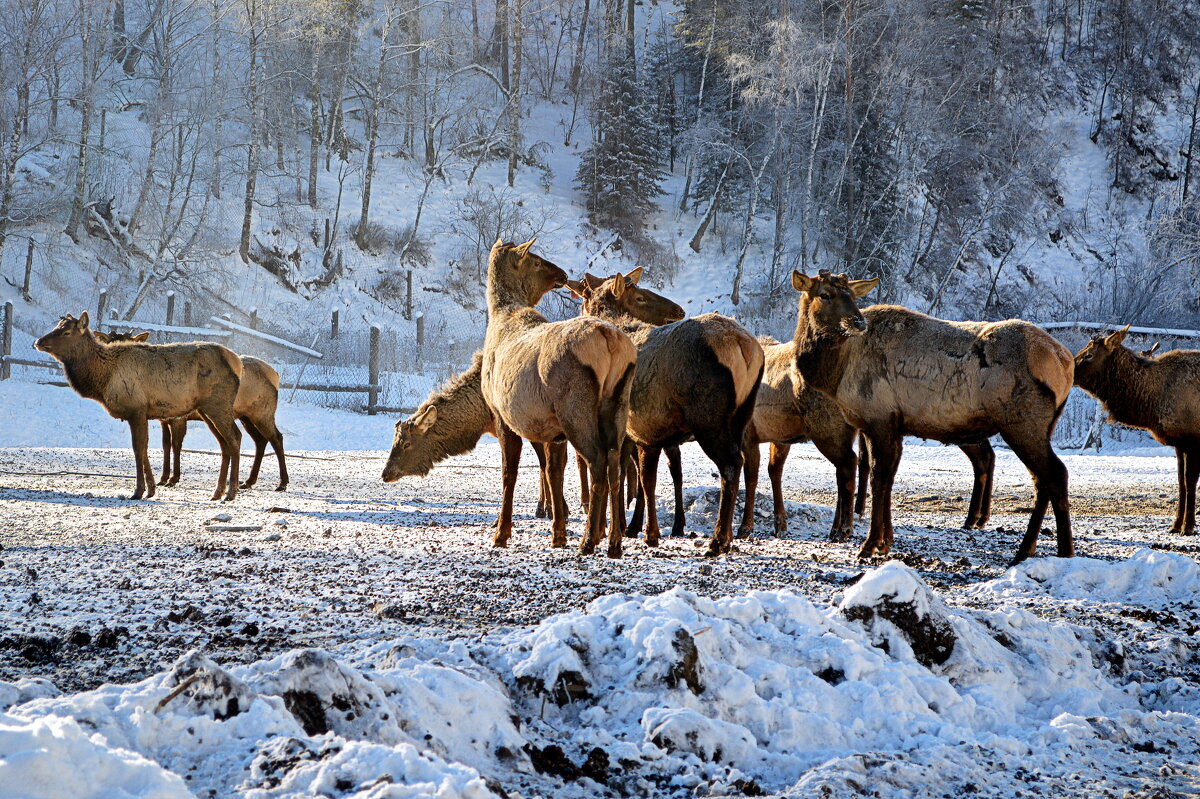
{"points": [[253, 144], [1187, 164], [314, 123], [710, 213], [364, 217], [87, 104], [577, 62], [514, 106]]}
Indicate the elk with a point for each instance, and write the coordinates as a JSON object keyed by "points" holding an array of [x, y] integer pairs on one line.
{"points": [[449, 422], [257, 400], [137, 382], [894, 372], [696, 378], [545, 381], [1160, 395]]}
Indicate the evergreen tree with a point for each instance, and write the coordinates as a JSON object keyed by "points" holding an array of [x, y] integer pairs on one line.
{"points": [[621, 173]]}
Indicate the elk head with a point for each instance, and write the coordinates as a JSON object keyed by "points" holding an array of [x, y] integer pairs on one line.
{"points": [[827, 303], [118, 338], [521, 275], [412, 455], [67, 337], [620, 295], [1093, 361]]}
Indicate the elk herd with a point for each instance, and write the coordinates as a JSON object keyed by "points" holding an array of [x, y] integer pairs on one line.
{"points": [[631, 378]]}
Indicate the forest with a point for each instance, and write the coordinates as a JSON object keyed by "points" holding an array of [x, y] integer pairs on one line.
{"points": [[987, 158]]}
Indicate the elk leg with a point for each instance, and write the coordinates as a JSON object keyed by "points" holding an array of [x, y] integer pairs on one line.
{"points": [[648, 472], [726, 453], [675, 467], [629, 464], [751, 457], [266, 426], [543, 510], [885, 447], [178, 432], [584, 494], [864, 474], [260, 449], [510, 457], [1193, 474], [165, 477], [552, 482], [1181, 507], [220, 422], [983, 463], [140, 433], [1050, 481], [777, 459], [616, 510], [839, 450]]}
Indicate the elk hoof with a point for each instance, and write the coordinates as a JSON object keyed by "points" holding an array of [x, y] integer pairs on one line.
{"points": [[614, 551], [281, 487], [558, 542], [136, 495], [245, 486], [587, 548], [743, 534]]}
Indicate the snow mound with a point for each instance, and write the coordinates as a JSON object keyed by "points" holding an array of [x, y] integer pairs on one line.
{"points": [[1148, 577], [771, 686], [25, 690], [53, 758]]}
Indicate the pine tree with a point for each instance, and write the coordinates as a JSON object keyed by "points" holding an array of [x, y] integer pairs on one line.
{"points": [[621, 173]]}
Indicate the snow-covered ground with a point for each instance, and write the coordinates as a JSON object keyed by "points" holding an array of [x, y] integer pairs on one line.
{"points": [[349, 638]]}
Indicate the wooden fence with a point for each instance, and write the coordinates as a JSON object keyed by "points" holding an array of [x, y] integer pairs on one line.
{"points": [[224, 329]]}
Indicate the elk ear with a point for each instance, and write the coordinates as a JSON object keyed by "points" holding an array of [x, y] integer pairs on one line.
{"points": [[425, 419], [499, 243], [802, 282], [83, 320], [1114, 339], [141, 336], [577, 288], [523, 249], [618, 285], [101, 336], [635, 276], [591, 281], [861, 288]]}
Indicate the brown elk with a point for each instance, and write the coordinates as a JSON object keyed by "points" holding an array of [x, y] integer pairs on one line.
{"points": [[450, 422], [257, 400], [139, 382], [696, 378], [895, 372], [1160, 395], [546, 381]]}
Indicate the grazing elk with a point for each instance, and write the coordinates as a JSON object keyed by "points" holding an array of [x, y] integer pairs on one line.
{"points": [[546, 381], [895, 372], [450, 422], [696, 378], [1160, 395], [257, 400], [139, 382]]}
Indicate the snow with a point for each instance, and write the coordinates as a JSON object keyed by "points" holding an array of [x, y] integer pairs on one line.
{"points": [[353, 639]]}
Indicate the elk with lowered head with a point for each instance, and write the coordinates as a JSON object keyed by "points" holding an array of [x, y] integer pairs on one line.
{"points": [[897, 372], [696, 378], [257, 400], [1160, 395], [139, 382], [546, 381]]}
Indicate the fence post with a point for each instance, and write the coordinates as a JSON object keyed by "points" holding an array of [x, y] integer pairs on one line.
{"points": [[373, 372], [333, 325], [6, 342], [170, 307], [420, 338], [408, 300], [254, 319], [187, 313], [28, 272], [101, 305]]}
